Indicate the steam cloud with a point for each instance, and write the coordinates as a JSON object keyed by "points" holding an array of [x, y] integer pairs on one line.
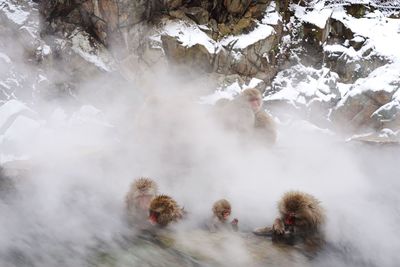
{"points": [[83, 159]]}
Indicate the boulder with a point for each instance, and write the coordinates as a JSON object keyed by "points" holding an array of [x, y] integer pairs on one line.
{"points": [[197, 14], [237, 7], [354, 112]]}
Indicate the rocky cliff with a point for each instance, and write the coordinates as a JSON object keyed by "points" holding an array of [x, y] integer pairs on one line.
{"points": [[333, 62]]}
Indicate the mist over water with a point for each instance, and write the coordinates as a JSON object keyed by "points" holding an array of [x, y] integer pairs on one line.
{"points": [[83, 157]]}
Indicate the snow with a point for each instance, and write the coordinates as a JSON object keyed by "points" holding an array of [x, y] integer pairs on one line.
{"points": [[382, 32], [384, 78], [222, 93], [242, 41], [81, 45], [46, 50], [189, 35], [271, 17], [313, 85], [317, 16], [11, 108], [88, 116], [253, 83], [13, 12], [21, 129], [5, 58], [395, 104]]}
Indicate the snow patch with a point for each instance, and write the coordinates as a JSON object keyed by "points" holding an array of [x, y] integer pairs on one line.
{"points": [[222, 93], [14, 12], [383, 32], [261, 32], [11, 108], [189, 35], [385, 78], [5, 58], [97, 56], [301, 85], [317, 16]]}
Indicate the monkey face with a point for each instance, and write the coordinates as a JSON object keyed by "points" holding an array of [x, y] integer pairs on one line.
{"points": [[290, 218], [153, 217], [255, 103], [225, 215]]}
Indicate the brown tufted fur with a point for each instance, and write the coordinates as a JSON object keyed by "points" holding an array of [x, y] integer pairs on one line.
{"points": [[309, 215], [140, 187], [242, 116], [167, 209], [220, 207]]}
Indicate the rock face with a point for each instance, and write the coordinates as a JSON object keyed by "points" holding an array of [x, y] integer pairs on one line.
{"points": [[321, 68], [372, 103], [226, 25]]}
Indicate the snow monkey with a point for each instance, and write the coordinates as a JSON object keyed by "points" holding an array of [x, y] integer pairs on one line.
{"points": [[264, 125], [221, 212], [245, 115], [137, 200], [163, 210], [301, 215]]}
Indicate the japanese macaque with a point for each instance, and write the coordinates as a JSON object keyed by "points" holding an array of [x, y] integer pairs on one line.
{"points": [[220, 219], [142, 192], [265, 128], [301, 215], [244, 114], [163, 210]]}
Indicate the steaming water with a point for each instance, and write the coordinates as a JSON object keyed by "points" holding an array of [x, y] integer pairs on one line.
{"points": [[68, 209]]}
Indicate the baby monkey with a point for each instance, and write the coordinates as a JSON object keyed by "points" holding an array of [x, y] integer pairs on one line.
{"points": [[220, 219]]}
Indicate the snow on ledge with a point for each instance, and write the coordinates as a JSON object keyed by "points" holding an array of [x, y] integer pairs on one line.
{"points": [[13, 12], [317, 16], [382, 31], [82, 46], [189, 35], [11, 108], [261, 32], [383, 78]]}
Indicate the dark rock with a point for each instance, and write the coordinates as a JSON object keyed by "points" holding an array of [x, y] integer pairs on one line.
{"points": [[196, 56], [358, 10], [237, 7], [197, 14]]}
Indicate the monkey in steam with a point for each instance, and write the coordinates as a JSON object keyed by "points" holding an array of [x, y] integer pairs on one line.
{"points": [[264, 125], [142, 191], [244, 114], [164, 210], [220, 220], [301, 216]]}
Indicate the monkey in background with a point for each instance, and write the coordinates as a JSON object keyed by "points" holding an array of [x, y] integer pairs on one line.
{"points": [[301, 218], [244, 114], [220, 220], [142, 191], [164, 210]]}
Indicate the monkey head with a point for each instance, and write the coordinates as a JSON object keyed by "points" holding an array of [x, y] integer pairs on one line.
{"points": [[164, 210], [253, 98], [141, 192], [301, 210], [222, 209]]}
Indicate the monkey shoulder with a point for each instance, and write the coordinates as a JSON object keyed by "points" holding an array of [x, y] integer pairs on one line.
{"points": [[265, 127]]}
